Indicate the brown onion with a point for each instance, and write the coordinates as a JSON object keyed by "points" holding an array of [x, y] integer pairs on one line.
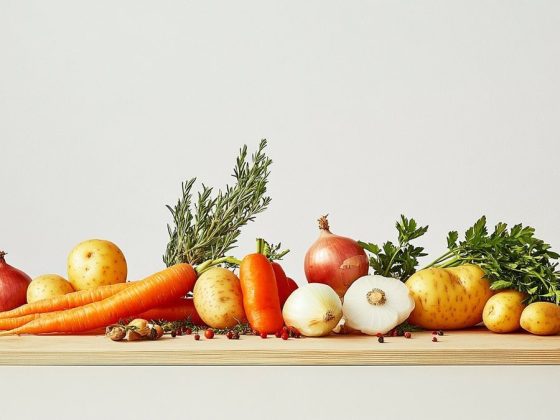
{"points": [[13, 285], [335, 260]]}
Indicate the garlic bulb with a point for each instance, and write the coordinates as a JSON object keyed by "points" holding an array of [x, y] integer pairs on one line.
{"points": [[313, 309], [377, 304]]}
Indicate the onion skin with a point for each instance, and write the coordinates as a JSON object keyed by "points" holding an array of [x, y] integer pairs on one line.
{"points": [[335, 260], [13, 285]]}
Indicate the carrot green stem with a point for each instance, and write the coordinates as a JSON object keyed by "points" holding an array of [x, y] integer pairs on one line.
{"points": [[205, 266]]}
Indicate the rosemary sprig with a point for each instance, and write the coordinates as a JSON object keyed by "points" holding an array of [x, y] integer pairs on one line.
{"points": [[209, 228]]}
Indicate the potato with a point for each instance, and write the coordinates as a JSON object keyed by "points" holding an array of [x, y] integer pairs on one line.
{"points": [[47, 286], [541, 318], [502, 312], [448, 298], [218, 299], [96, 263]]}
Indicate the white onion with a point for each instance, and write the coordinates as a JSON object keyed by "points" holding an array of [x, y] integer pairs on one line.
{"points": [[314, 309]]}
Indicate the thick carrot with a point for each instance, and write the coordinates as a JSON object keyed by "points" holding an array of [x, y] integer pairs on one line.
{"points": [[281, 283], [156, 290], [260, 294], [292, 285], [174, 311], [67, 301]]}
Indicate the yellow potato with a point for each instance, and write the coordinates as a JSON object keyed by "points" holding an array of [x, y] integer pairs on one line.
{"points": [[218, 298], [541, 318], [448, 298], [502, 312], [96, 263], [47, 286]]}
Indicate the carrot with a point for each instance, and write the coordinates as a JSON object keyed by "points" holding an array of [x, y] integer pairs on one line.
{"points": [[9, 323], [156, 290], [175, 311], [67, 301], [292, 286], [260, 294], [281, 283]]}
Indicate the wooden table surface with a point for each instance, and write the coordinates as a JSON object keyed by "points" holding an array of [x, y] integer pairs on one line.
{"points": [[469, 347]]}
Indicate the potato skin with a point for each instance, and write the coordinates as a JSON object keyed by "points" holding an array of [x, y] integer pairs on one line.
{"points": [[94, 263], [541, 318], [47, 286], [502, 312], [218, 298], [448, 298]]}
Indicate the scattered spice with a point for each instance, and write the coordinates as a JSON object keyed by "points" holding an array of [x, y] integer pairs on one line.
{"points": [[380, 339], [197, 337], [407, 334], [434, 339]]}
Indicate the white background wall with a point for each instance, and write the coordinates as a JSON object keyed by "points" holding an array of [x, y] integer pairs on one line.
{"points": [[442, 110]]}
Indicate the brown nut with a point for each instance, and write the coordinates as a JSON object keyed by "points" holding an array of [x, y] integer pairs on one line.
{"points": [[115, 332], [133, 335], [140, 326], [155, 332]]}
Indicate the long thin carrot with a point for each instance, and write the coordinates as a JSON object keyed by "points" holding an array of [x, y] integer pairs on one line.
{"points": [[177, 310], [67, 301], [174, 311], [260, 294], [10, 323], [156, 290]]}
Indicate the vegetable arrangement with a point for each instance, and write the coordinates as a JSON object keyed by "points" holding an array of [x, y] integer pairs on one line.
{"points": [[508, 279]]}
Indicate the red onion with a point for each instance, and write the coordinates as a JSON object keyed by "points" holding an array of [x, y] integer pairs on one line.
{"points": [[335, 260], [13, 285]]}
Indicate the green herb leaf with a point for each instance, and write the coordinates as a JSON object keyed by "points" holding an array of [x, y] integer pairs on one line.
{"points": [[398, 261], [209, 228]]}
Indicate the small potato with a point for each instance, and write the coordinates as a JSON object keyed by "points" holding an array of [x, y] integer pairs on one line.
{"points": [[218, 298], [502, 312], [47, 286], [96, 263], [541, 318]]}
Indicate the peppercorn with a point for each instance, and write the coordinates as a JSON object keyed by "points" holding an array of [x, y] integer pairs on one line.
{"points": [[197, 337], [381, 339], [173, 333], [434, 339], [440, 332], [407, 334]]}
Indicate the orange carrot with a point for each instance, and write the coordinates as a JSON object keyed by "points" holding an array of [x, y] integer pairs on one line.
{"points": [[10, 323], [175, 311], [67, 301], [260, 294], [156, 290]]}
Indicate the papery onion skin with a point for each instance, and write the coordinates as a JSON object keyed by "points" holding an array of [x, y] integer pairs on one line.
{"points": [[335, 260], [314, 309], [13, 285]]}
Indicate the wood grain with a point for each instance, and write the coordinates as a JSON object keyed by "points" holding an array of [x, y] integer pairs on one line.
{"points": [[469, 347]]}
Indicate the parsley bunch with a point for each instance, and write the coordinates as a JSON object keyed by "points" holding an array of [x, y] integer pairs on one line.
{"points": [[398, 261], [511, 258]]}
